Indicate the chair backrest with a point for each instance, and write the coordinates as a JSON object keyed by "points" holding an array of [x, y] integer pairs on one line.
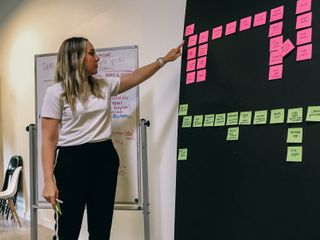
{"points": [[15, 161], [13, 184]]}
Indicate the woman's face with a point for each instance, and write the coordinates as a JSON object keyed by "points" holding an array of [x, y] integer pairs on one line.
{"points": [[91, 60]]}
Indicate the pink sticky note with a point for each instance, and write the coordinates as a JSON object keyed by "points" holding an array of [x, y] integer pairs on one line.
{"points": [[245, 23], [303, 6], [276, 43], [276, 13], [260, 19], [204, 37], [216, 32], [275, 29], [192, 40], [304, 20], [189, 30], [201, 75], [191, 65], [202, 62], [275, 58], [203, 50], [191, 76], [231, 28], [304, 36], [286, 48], [275, 72], [304, 52], [192, 53]]}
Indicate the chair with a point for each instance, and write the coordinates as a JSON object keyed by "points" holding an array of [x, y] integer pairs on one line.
{"points": [[11, 191]]}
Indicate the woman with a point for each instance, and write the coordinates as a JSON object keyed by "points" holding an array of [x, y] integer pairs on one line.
{"points": [[76, 130]]}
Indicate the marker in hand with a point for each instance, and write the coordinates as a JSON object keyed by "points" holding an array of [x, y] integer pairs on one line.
{"points": [[58, 209]]}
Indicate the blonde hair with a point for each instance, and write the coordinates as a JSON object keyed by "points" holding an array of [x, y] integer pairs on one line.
{"points": [[70, 71]]}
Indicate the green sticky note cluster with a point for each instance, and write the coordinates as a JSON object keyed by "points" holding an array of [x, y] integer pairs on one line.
{"points": [[260, 117], [233, 134], [183, 154], [294, 154], [277, 116], [294, 135], [295, 115], [313, 114], [183, 110]]}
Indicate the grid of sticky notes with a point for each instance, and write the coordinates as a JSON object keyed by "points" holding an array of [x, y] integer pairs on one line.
{"points": [[196, 55], [234, 120]]}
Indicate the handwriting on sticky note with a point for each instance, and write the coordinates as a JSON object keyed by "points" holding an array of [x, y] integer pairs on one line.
{"points": [[201, 75], [276, 43], [216, 32], [277, 116], [203, 37], [260, 117], [202, 62], [183, 154], [189, 30], [187, 121], [276, 13], [275, 58], [220, 120], [303, 6], [294, 115], [245, 118], [304, 20], [232, 118], [294, 135], [183, 109], [294, 154], [275, 29], [191, 65], [192, 53], [286, 48], [192, 40], [203, 50], [304, 36], [231, 28], [233, 134], [208, 120], [313, 114], [304, 52], [260, 19], [275, 72], [245, 23], [197, 121], [191, 77]]}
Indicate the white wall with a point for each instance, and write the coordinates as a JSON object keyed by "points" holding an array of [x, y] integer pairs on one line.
{"points": [[35, 27]]}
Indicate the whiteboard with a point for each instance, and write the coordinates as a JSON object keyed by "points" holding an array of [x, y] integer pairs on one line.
{"points": [[113, 63]]}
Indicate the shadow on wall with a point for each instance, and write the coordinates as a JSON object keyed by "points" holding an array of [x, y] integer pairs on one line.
{"points": [[7, 8]]}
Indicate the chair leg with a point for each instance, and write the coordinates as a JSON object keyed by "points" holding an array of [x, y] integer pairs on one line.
{"points": [[13, 211]]}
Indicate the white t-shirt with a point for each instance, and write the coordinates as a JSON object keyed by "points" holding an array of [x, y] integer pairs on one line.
{"points": [[90, 123]]}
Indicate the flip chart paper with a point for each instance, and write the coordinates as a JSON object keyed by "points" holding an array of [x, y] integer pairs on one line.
{"points": [[303, 6], [183, 109], [245, 118], [245, 23], [276, 13], [294, 135], [220, 120], [304, 20], [203, 37], [313, 114], [187, 121], [233, 134], [275, 72], [260, 117], [295, 115], [216, 32], [275, 29], [277, 116], [183, 154], [203, 50], [294, 154], [231, 28], [189, 30], [304, 36], [232, 118], [260, 19], [197, 120], [208, 120], [304, 52]]}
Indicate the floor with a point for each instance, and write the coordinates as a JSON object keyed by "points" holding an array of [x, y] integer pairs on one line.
{"points": [[10, 230]]}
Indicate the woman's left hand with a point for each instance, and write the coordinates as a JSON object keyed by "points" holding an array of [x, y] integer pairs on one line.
{"points": [[173, 54]]}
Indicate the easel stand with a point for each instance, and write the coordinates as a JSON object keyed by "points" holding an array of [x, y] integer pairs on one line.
{"points": [[35, 204]]}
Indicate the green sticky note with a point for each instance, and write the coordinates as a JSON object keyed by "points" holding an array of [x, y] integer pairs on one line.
{"points": [[277, 116], [208, 120], [233, 134], [294, 135], [187, 121], [183, 154], [260, 117], [295, 115], [183, 109], [197, 121], [245, 118], [220, 120], [232, 118], [313, 114], [294, 154]]}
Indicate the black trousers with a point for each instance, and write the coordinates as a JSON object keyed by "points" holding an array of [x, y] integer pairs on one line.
{"points": [[86, 176]]}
